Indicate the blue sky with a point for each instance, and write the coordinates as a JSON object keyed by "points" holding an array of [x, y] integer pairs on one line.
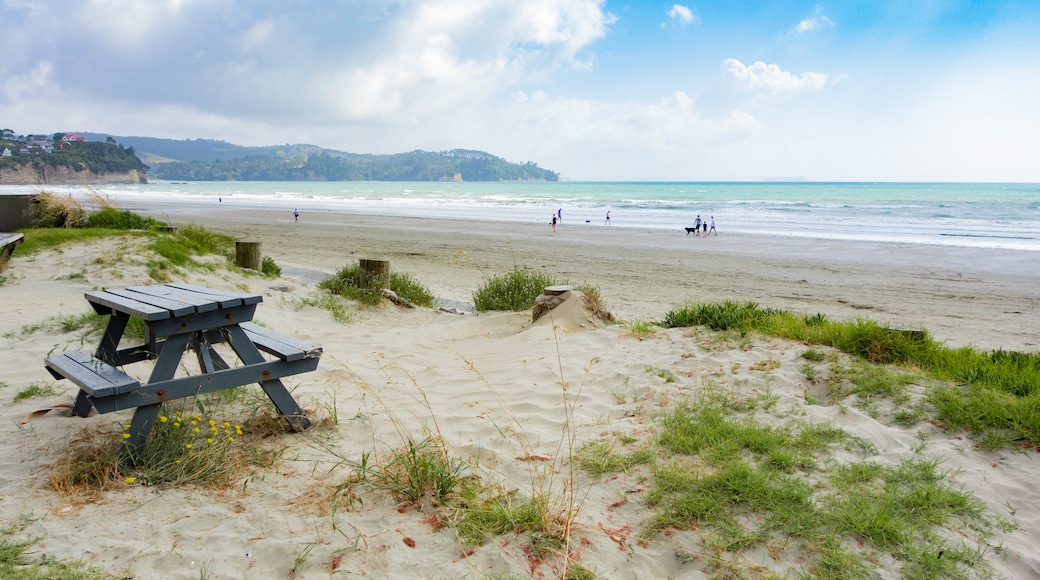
{"points": [[880, 90]]}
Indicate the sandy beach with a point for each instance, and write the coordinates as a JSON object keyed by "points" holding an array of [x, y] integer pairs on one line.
{"points": [[986, 298], [502, 393]]}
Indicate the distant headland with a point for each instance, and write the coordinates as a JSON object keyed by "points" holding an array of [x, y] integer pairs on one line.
{"points": [[92, 158]]}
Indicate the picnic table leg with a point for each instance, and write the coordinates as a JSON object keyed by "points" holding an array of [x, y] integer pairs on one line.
{"points": [[276, 391], [82, 406], [144, 418], [106, 351], [140, 426], [209, 359]]}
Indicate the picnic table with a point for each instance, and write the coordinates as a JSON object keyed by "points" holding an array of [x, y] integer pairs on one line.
{"points": [[177, 317], [8, 242]]}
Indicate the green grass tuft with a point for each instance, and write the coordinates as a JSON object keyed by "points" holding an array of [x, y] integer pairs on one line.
{"points": [[349, 282], [515, 291], [998, 393]]}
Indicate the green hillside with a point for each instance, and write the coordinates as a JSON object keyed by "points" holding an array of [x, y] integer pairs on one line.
{"points": [[213, 160]]}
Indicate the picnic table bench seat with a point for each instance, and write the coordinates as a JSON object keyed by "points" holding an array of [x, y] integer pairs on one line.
{"points": [[284, 347], [8, 241], [94, 376]]}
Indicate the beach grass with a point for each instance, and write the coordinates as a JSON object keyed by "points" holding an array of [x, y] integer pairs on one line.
{"points": [[18, 563], [418, 472], [716, 468], [513, 291], [188, 445], [58, 220], [350, 282], [120, 219], [995, 395]]}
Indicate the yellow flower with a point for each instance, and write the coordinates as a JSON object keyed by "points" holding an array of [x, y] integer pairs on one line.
{"points": [[131, 479], [126, 435], [163, 418], [127, 426], [187, 445], [195, 430], [225, 424], [212, 422], [194, 422], [238, 430], [231, 439], [177, 424]]}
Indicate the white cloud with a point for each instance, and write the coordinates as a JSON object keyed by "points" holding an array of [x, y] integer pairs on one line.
{"points": [[256, 35], [814, 23], [36, 84], [769, 79], [128, 23], [683, 14], [447, 53]]}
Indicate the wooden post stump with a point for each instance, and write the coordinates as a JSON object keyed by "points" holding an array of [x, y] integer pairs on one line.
{"points": [[552, 296], [247, 255], [374, 272]]}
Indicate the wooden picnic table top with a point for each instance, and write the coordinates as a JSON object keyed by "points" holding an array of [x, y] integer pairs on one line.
{"points": [[167, 301], [8, 237]]}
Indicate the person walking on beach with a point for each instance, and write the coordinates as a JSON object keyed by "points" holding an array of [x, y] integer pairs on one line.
{"points": [[554, 222], [607, 223], [697, 226], [559, 214], [296, 215], [712, 228]]}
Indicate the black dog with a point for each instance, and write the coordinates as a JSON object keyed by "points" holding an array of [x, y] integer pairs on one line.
{"points": [[691, 231]]}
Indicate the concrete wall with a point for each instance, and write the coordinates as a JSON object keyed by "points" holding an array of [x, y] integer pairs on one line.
{"points": [[12, 212]]}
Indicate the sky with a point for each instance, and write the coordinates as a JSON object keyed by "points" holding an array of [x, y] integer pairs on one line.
{"points": [[597, 90]]}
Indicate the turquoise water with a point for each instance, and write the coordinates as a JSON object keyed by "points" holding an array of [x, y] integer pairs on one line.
{"points": [[980, 215]]}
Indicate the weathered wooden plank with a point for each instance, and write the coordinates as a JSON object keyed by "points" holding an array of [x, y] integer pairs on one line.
{"points": [[284, 347], [10, 238], [219, 295], [197, 302], [176, 307], [8, 242], [178, 388], [92, 375], [102, 300], [202, 321]]}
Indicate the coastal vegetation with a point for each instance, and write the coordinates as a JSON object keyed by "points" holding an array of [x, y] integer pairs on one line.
{"points": [[57, 220], [350, 282], [214, 160], [96, 157], [995, 395], [454, 165], [20, 560], [513, 291]]}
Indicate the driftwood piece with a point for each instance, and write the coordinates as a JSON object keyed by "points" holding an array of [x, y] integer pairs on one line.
{"points": [[393, 297]]}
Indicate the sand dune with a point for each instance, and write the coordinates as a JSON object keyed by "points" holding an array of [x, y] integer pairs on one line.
{"points": [[502, 393]]}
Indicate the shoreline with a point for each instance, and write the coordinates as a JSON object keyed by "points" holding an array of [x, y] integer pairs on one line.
{"points": [[980, 297]]}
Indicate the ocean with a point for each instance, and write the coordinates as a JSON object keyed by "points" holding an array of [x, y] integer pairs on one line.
{"points": [[991, 215]]}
